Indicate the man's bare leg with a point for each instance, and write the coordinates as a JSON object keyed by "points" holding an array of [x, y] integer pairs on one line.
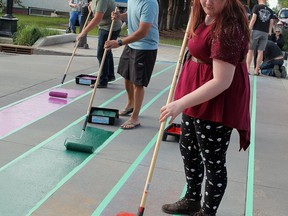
{"points": [[138, 100], [258, 61], [249, 59]]}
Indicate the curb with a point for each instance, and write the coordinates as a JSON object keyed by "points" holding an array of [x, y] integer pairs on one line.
{"points": [[55, 39]]}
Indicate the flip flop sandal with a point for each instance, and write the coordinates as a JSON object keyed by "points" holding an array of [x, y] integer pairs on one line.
{"points": [[129, 125], [125, 112]]}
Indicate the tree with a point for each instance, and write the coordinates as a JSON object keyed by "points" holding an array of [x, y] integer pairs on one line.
{"points": [[3, 6], [283, 3], [173, 14]]}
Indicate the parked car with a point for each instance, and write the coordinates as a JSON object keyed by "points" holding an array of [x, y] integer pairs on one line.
{"points": [[283, 17]]}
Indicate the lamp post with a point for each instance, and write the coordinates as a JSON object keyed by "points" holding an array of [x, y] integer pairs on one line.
{"points": [[8, 23]]}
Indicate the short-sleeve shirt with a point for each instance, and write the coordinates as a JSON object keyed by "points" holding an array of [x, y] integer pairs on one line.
{"points": [[144, 11], [231, 107], [271, 51], [106, 7], [264, 15]]}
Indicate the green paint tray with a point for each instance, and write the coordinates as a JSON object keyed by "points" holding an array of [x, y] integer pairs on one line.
{"points": [[103, 116]]}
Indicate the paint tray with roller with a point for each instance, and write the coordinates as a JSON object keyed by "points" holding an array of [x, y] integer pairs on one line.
{"points": [[83, 143]]}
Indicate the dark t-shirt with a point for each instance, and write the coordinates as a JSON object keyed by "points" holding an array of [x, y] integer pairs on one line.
{"points": [[264, 15], [271, 51]]}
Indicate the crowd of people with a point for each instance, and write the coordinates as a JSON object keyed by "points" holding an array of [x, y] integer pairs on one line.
{"points": [[266, 44]]}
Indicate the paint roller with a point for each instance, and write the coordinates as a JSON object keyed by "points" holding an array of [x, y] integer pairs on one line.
{"points": [[78, 144], [65, 94]]}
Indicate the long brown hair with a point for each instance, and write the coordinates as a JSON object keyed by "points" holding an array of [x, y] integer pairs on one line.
{"points": [[233, 12]]}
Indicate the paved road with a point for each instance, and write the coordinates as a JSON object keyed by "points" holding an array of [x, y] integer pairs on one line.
{"points": [[39, 177]]}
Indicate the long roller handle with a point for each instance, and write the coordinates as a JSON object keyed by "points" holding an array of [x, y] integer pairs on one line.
{"points": [[162, 126], [98, 75], [74, 50]]}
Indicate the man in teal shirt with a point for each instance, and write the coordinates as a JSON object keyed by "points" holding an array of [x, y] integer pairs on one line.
{"points": [[139, 55]]}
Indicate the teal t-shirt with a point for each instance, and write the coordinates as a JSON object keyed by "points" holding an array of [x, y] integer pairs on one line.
{"points": [[106, 7], [144, 11]]}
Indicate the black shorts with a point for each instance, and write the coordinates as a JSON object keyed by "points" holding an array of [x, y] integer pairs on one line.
{"points": [[137, 65]]}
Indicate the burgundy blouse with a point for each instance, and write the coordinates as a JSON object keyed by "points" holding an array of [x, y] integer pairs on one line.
{"points": [[231, 107]]}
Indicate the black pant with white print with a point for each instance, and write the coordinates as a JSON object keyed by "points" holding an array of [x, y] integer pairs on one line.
{"points": [[204, 144]]}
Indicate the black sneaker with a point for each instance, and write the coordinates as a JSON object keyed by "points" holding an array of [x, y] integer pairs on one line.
{"points": [[102, 85], [277, 71], [110, 79], [183, 206], [283, 72], [99, 85], [201, 213], [68, 30]]}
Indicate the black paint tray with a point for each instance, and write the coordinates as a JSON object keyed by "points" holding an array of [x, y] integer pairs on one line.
{"points": [[103, 115], [84, 79]]}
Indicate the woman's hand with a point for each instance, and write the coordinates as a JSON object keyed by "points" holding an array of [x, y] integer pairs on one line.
{"points": [[172, 110]]}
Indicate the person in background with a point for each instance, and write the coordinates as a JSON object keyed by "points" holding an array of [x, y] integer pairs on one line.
{"points": [[273, 61], [102, 10], [205, 94], [261, 25], [139, 55], [278, 38], [75, 14], [84, 16]]}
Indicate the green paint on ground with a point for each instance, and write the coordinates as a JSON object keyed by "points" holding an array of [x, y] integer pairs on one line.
{"points": [[40, 172], [91, 137]]}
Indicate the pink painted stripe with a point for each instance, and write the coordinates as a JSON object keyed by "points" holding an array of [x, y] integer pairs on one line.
{"points": [[23, 113]]}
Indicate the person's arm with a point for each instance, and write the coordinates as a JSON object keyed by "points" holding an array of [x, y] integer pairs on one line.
{"points": [[98, 16], [271, 24], [141, 32], [72, 4], [122, 16], [281, 41], [223, 74], [252, 21]]}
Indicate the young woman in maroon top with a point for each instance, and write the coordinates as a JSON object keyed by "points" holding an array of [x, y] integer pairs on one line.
{"points": [[213, 94]]}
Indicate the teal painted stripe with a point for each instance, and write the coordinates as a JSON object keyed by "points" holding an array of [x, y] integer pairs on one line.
{"points": [[131, 169], [250, 176], [89, 158]]}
